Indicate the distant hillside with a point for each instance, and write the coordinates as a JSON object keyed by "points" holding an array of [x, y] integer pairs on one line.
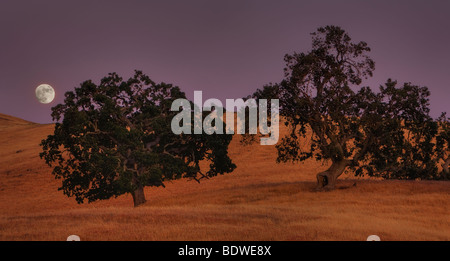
{"points": [[10, 121]]}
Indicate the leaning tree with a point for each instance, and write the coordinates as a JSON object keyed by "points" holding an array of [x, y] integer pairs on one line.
{"points": [[387, 133], [115, 138]]}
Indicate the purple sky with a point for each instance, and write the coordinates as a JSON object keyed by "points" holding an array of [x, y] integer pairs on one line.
{"points": [[227, 49]]}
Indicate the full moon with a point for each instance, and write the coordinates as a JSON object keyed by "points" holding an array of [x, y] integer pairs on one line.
{"points": [[45, 93]]}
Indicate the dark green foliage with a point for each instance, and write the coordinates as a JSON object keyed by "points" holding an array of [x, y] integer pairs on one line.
{"points": [[115, 138], [387, 133], [443, 145], [402, 137]]}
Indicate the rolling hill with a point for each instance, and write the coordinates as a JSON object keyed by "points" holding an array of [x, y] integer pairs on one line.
{"points": [[260, 200]]}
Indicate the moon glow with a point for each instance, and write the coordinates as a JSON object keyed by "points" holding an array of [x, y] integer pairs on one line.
{"points": [[45, 93]]}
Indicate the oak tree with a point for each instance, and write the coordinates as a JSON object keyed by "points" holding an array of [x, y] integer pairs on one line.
{"points": [[115, 137], [443, 145], [387, 133]]}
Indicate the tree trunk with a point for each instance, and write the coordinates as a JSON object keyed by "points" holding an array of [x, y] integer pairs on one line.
{"points": [[445, 168], [138, 196], [327, 180]]}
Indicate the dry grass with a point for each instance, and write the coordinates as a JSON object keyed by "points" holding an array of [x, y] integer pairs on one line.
{"points": [[260, 200]]}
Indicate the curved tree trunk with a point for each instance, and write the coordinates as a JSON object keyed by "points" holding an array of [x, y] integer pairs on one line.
{"points": [[327, 180], [138, 196]]}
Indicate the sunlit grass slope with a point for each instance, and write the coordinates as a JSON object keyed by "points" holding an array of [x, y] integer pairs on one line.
{"points": [[260, 200]]}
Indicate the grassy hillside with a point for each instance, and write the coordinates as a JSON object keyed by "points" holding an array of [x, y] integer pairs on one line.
{"points": [[260, 200]]}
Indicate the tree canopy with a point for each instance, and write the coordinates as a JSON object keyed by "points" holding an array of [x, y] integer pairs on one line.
{"points": [[388, 133], [115, 137]]}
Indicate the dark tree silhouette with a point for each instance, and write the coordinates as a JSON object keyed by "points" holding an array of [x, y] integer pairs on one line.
{"points": [[443, 145], [116, 138], [388, 133]]}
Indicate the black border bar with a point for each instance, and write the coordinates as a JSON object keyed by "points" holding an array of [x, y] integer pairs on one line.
{"points": [[263, 250]]}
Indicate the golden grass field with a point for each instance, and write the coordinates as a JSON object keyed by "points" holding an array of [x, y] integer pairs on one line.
{"points": [[260, 200]]}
